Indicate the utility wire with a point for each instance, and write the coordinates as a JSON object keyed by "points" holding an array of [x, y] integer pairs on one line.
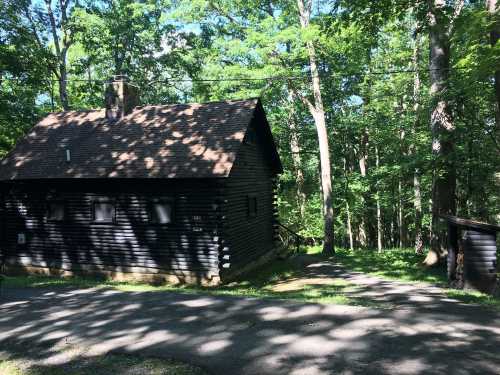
{"points": [[245, 79]]}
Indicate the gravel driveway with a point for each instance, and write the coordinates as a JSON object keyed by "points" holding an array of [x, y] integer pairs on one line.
{"points": [[419, 331]]}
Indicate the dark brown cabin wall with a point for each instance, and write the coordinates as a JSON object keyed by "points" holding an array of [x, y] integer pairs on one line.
{"points": [[248, 238], [130, 244]]}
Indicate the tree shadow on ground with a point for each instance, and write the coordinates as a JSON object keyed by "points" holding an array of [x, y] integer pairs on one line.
{"points": [[425, 333]]}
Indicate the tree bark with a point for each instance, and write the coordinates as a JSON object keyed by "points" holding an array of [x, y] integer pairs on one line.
{"points": [[417, 195], [362, 161], [61, 46], [347, 207], [492, 6], [442, 127], [296, 159], [417, 204], [401, 221], [318, 113], [379, 212], [349, 226]]}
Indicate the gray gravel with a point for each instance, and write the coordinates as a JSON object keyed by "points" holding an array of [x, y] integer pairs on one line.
{"points": [[423, 331]]}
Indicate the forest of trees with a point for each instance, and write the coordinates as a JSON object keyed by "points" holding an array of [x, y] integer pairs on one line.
{"points": [[386, 113]]}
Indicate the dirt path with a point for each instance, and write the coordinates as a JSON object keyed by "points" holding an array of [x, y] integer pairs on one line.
{"points": [[418, 331]]}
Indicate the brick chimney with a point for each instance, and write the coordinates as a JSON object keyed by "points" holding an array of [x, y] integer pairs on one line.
{"points": [[120, 97]]}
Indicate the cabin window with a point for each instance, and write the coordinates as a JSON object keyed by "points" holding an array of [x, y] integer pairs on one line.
{"points": [[103, 212], [252, 205], [55, 211], [161, 211]]}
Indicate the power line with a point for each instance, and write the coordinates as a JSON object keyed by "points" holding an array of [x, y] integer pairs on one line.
{"points": [[237, 79], [243, 79]]}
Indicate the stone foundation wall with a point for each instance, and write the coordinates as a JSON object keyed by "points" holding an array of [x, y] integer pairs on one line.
{"points": [[150, 278]]}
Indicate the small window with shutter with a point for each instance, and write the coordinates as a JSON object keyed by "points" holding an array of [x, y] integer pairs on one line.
{"points": [[103, 211], [161, 211]]}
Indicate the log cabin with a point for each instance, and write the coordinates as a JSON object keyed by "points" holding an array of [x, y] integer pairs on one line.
{"points": [[182, 192]]}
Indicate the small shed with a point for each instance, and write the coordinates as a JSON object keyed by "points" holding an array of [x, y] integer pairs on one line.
{"points": [[472, 254], [182, 192]]}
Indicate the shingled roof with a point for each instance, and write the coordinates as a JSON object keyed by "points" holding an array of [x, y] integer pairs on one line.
{"points": [[164, 141]]}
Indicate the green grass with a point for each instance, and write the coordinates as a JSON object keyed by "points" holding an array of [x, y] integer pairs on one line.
{"points": [[258, 284], [102, 365], [393, 264], [467, 296], [405, 265]]}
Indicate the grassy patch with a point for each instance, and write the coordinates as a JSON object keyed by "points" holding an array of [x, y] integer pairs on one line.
{"points": [[405, 265], [467, 296], [395, 264], [102, 365], [281, 279]]}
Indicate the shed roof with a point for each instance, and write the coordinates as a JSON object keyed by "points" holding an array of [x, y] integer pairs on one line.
{"points": [[472, 224], [162, 141]]}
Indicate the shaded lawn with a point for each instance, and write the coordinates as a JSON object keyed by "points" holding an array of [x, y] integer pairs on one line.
{"points": [[394, 264], [269, 281], [405, 265], [102, 365]]}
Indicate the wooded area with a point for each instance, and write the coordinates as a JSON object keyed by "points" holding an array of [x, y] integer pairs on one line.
{"points": [[386, 113]]}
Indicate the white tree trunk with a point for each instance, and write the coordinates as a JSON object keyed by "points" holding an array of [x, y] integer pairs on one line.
{"points": [[297, 160], [318, 113], [492, 6], [379, 212], [362, 161], [417, 195], [62, 40], [349, 226]]}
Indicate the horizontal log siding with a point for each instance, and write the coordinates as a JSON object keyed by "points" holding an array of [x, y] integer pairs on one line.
{"points": [[130, 244], [248, 238]]}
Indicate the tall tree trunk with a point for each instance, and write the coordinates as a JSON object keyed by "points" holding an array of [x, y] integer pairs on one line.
{"points": [[349, 225], [363, 158], [296, 159], [63, 85], [497, 184], [347, 207], [417, 195], [417, 204], [442, 127], [493, 9], [401, 221], [318, 113], [400, 215], [62, 41], [379, 212]]}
